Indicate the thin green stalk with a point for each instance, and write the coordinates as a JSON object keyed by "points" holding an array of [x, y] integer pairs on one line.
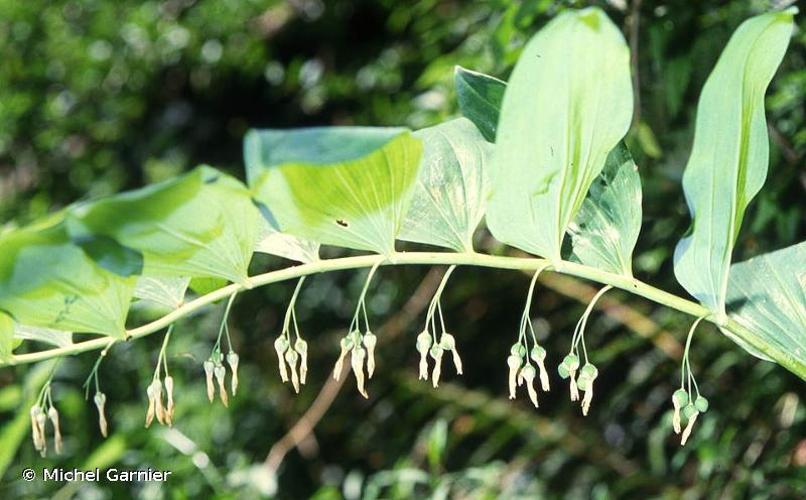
{"points": [[627, 283]]}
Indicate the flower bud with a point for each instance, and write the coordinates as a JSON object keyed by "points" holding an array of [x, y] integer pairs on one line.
{"points": [[370, 340], [436, 353], [232, 360], [701, 404], [100, 403], [448, 343], [528, 374], [209, 367], [41, 420], [690, 413], [302, 349], [291, 357], [53, 415], [538, 355], [357, 363], [169, 394], [679, 400], [280, 346], [518, 350], [36, 433], [514, 362], [345, 344], [423, 345], [220, 376]]}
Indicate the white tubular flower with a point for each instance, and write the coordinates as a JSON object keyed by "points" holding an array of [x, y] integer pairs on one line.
{"points": [[53, 415], [538, 355], [569, 366], [690, 413], [36, 434], [159, 410], [169, 394], [232, 360], [209, 367], [41, 420], [423, 345], [357, 363], [370, 340], [302, 349], [679, 400], [100, 403], [528, 374], [345, 344], [220, 376], [514, 362], [291, 357], [448, 343], [587, 375], [151, 390], [436, 353], [280, 346]]}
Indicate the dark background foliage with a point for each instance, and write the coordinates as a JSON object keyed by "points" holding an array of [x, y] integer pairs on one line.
{"points": [[100, 96]]}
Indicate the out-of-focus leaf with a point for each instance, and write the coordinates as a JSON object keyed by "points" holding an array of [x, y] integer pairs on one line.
{"points": [[204, 286], [58, 338], [567, 104], [47, 281], [451, 192], [168, 292], [767, 295], [729, 159], [345, 186], [111, 255], [606, 228], [202, 224], [480, 98], [274, 242], [6, 336]]}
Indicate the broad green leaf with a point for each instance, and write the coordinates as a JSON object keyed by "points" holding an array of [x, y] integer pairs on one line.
{"points": [[165, 291], [47, 281], [203, 286], [606, 228], [567, 104], [729, 159], [202, 224], [58, 338], [451, 192], [480, 98], [344, 186], [767, 295], [273, 242]]}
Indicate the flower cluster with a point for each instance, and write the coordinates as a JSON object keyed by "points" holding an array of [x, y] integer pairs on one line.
{"points": [[427, 344], [163, 412], [215, 369], [521, 371], [361, 347], [39, 420], [687, 403], [294, 358]]}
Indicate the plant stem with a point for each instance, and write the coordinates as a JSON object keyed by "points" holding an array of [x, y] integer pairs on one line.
{"points": [[627, 283]]}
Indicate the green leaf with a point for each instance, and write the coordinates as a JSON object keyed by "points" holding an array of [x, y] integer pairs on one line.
{"points": [[6, 337], [452, 188], [47, 281], [344, 186], [202, 224], [567, 104], [606, 228], [729, 159], [273, 242], [203, 286], [111, 255], [480, 98], [164, 291], [58, 338], [767, 295]]}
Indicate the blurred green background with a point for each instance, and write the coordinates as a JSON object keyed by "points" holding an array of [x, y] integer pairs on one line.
{"points": [[101, 96]]}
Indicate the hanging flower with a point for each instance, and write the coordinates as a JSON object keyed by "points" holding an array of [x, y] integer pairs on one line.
{"points": [[679, 400], [169, 394], [357, 363], [291, 357], [345, 344], [423, 346], [448, 343], [280, 347], [209, 369], [587, 375], [232, 360], [220, 375], [370, 340], [100, 403], [538, 355], [302, 349], [528, 374], [436, 354], [53, 415]]}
